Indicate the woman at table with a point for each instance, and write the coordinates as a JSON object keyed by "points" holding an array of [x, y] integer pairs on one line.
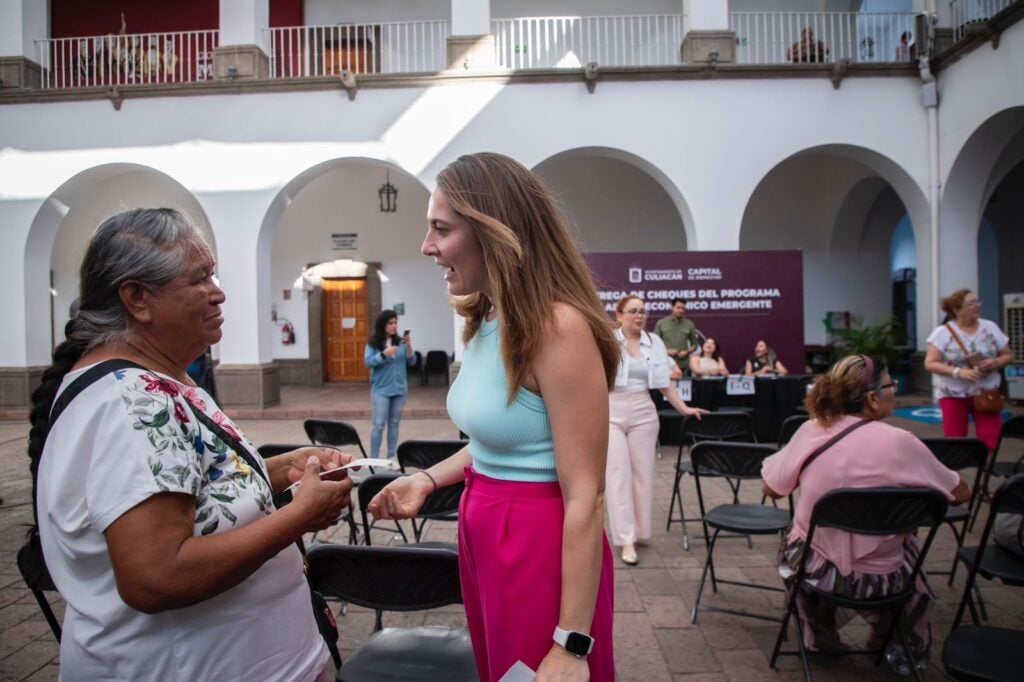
{"points": [[532, 393], [764, 362], [709, 363], [965, 357], [633, 433]]}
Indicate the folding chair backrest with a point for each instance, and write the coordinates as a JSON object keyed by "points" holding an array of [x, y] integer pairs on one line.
{"points": [[879, 511], [731, 460], [958, 453], [366, 491], [332, 432], [723, 425], [443, 502], [274, 449], [423, 454], [790, 426], [403, 578], [436, 360], [1014, 427]]}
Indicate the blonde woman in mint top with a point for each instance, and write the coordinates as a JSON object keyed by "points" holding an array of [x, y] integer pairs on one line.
{"points": [[532, 394]]}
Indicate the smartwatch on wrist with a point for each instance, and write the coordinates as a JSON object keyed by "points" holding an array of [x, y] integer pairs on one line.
{"points": [[575, 643]]}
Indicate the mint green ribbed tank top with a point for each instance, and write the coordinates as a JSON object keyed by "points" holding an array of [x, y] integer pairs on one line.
{"points": [[508, 441]]}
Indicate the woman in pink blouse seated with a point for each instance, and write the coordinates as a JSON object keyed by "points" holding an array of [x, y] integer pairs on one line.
{"points": [[857, 389]]}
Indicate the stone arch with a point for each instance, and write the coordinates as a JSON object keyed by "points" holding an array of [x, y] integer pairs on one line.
{"points": [[990, 154], [63, 226], [340, 196], [649, 184], [839, 204]]}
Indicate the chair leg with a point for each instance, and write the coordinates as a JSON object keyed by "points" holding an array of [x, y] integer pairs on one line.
{"points": [[791, 604], [801, 647], [703, 578], [959, 535], [672, 503]]}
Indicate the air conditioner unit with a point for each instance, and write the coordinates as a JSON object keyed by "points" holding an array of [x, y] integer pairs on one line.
{"points": [[1013, 325]]}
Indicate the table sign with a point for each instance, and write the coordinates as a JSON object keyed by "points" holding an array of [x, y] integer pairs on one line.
{"points": [[684, 387], [740, 384]]}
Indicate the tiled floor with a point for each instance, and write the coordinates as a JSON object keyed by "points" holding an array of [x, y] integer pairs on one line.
{"points": [[654, 639]]}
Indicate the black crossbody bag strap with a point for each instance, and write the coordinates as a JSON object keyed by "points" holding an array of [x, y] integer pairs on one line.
{"points": [[325, 622], [832, 441], [91, 376], [324, 617], [236, 444]]}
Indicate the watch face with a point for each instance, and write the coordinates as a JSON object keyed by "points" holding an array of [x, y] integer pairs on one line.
{"points": [[578, 644]]}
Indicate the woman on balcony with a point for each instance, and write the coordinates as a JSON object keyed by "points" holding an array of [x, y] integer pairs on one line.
{"points": [[532, 394]]}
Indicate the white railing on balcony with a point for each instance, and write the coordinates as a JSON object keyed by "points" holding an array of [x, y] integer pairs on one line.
{"points": [[966, 12], [396, 47], [822, 37], [570, 42], [127, 59]]}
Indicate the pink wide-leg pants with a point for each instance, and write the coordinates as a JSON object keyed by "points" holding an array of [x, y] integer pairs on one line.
{"points": [[510, 564]]}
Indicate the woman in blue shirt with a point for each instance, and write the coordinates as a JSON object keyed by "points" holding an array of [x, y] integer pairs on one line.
{"points": [[388, 358]]}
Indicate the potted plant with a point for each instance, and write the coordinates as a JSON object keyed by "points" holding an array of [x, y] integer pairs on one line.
{"points": [[877, 340]]}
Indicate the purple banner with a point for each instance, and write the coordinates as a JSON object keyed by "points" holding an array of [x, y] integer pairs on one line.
{"points": [[734, 297]]}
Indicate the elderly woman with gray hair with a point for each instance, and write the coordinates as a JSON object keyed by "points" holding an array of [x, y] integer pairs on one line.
{"points": [[155, 514]]}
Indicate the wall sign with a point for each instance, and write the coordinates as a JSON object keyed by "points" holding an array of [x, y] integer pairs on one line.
{"points": [[345, 241], [734, 297]]}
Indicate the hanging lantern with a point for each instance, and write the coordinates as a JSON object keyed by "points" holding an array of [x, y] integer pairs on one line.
{"points": [[388, 196]]}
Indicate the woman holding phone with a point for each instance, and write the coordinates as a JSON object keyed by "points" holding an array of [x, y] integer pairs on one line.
{"points": [[532, 394], [388, 358]]}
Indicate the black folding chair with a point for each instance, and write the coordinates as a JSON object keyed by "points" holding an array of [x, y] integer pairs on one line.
{"points": [[739, 462], [960, 454], [978, 652], [725, 425], [1013, 429], [423, 454], [333, 432], [367, 490], [408, 578], [33, 571], [867, 511], [436, 362], [443, 504], [790, 426], [993, 562], [270, 450]]}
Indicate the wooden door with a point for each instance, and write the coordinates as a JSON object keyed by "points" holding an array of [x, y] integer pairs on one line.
{"points": [[346, 328]]}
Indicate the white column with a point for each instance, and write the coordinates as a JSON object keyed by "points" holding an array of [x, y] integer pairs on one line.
{"points": [[706, 15], [471, 17], [244, 271], [25, 284], [243, 22], [22, 22]]}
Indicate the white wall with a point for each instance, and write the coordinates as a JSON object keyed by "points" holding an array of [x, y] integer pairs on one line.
{"points": [[610, 202], [804, 204], [323, 12]]}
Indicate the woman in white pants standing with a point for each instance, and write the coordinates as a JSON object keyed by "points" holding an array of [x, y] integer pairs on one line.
{"points": [[633, 431]]}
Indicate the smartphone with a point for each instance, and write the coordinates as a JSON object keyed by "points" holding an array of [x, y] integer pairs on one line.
{"points": [[405, 336], [405, 333]]}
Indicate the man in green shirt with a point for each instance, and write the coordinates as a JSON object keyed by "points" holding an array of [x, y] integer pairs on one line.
{"points": [[678, 333]]}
